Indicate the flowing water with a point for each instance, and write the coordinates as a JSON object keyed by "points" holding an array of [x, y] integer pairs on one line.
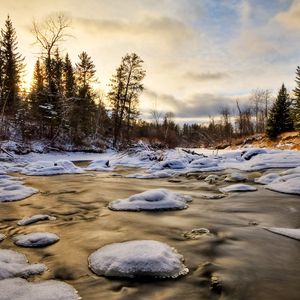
{"points": [[237, 260]]}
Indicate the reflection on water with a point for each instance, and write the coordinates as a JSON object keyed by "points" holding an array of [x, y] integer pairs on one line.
{"points": [[236, 260]]}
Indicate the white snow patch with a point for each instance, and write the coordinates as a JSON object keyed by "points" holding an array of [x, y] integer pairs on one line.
{"points": [[45, 168], [37, 239], [288, 184], [157, 199], [137, 259], [99, 165], [267, 178], [238, 188], [15, 264], [34, 219], [289, 232], [20, 289]]}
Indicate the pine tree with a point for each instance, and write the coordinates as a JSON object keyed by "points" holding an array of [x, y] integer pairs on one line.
{"points": [[69, 78], [280, 119], [12, 67], [126, 86], [296, 106]]}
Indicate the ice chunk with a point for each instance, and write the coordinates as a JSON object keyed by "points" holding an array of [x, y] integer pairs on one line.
{"points": [[13, 190], [235, 177], [137, 259], [14, 264], [289, 184], [37, 239], [44, 168], [2, 237], [157, 199], [238, 188], [266, 179], [289, 232], [99, 165], [20, 289], [34, 219]]}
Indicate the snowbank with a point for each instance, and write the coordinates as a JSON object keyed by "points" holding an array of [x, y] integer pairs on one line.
{"points": [[14, 264], [37, 239], [12, 189], [238, 188], [267, 178], [99, 165], [20, 289], [34, 219], [289, 232], [157, 199], [45, 168], [137, 259]]}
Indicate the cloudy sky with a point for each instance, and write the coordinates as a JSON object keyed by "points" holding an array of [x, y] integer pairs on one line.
{"points": [[199, 54]]}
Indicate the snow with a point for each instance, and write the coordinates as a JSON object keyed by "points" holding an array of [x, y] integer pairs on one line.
{"points": [[248, 154], [288, 184], [2, 237], [20, 289], [137, 259], [37, 239], [238, 188], [45, 168], [173, 164], [235, 177], [289, 232], [34, 219], [152, 175], [12, 189], [267, 178], [15, 264], [99, 165], [156, 199]]}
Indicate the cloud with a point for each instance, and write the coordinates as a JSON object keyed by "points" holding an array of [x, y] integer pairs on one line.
{"points": [[290, 19], [205, 76]]}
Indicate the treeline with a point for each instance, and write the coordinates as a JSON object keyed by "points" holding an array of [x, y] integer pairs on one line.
{"points": [[63, 107]]}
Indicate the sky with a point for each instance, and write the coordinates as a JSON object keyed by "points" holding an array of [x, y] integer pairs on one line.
{"points": [[199, 55]]}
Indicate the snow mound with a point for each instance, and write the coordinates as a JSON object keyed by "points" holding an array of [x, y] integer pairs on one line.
{"points": [[157, 199], [203, 163], [235, 177], [2, 237], [289, 232], [288, 184], [173, 164], [266, 179], [99, 165], [238, 188], [37, 239], [14, 264], [20, 289], [14, 190], [45, 168], [34, 219], [247, 155], [137, 259]]}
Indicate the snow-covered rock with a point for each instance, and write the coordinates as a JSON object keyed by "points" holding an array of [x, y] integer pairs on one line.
{"points": [[14, 264], [238, 188], [267, 178], [247, 155], [20, 289], [173, 164], [14, 190], [99, 165], [289, 232], [45, 168], [37, 239], [34, 219], [157, 199], [203, 163], [288, 184], [235, 177], [2, 237], [137, 259]]}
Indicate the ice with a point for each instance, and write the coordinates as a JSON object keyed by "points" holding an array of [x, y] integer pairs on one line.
{"points": [[267, 178], [157, 199], [20, 289], [288, 184], [12, 189], [173, 164], [289, 232], [235, 177], [137, 259], [2, 237], [238, 188], [203, 163], [99, 165], [45, 168], [15, 264], [37, 239], [34, 219], [248, 154]]}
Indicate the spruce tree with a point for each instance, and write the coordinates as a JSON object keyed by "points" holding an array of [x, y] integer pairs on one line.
{"points": [[68, 78], [296, 106], [280, 119], [12, 67]]}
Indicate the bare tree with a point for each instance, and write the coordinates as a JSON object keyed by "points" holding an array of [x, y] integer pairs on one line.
{"points": [[244, 120]]}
